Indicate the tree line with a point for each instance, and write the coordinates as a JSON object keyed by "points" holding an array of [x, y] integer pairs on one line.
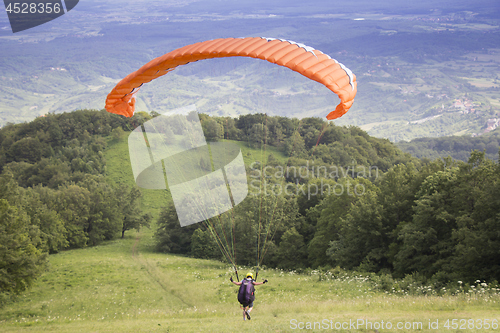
{"points": [[435, 221], [458, 147]]}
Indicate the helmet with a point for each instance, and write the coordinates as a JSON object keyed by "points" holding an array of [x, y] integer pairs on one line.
{"points": [[249, 274]]}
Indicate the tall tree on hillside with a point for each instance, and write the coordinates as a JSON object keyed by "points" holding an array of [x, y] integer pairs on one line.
{"points": [[21, 262], [211, 129], [170, 236], [48, 221], [292, 251], [258, 136], [129, 202], [204, 246], [362, 236], [398, 188], [73, 204], [427, 244], [333, 210], [103, 221], [477, 235], [295, 146]]}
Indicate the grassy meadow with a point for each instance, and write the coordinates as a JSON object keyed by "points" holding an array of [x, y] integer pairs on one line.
{"points": [[123, 286], [119, 171]]}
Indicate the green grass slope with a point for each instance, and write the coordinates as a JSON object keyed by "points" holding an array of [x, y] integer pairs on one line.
{"points": [[122, 286], [119, 170]]}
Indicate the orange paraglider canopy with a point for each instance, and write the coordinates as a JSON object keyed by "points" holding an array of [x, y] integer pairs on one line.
{"points": [[305, 60]]}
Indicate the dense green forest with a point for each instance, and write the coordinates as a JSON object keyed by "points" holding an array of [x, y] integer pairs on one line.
{"points": [[383, 212], [333, 197], [53, 193]]}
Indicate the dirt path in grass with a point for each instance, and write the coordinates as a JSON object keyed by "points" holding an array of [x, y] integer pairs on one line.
{"points": [[135, 252], [155, 274]]}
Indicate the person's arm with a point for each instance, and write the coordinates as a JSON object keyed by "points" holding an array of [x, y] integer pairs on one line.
{"points": [[259, 283], [236, 283]]}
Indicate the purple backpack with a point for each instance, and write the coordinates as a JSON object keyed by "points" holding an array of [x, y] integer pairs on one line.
{"points": [[246, 293]]}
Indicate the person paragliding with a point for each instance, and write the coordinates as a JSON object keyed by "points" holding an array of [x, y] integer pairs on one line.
{"points": [[246, 293], [305, 60]]}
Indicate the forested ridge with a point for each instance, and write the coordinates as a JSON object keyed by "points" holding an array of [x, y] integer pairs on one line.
{"points": [[364, 205], [457, 147]]}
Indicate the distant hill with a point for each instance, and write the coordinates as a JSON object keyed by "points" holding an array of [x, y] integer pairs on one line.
{"points": [[458, 147], [420, 72]]}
